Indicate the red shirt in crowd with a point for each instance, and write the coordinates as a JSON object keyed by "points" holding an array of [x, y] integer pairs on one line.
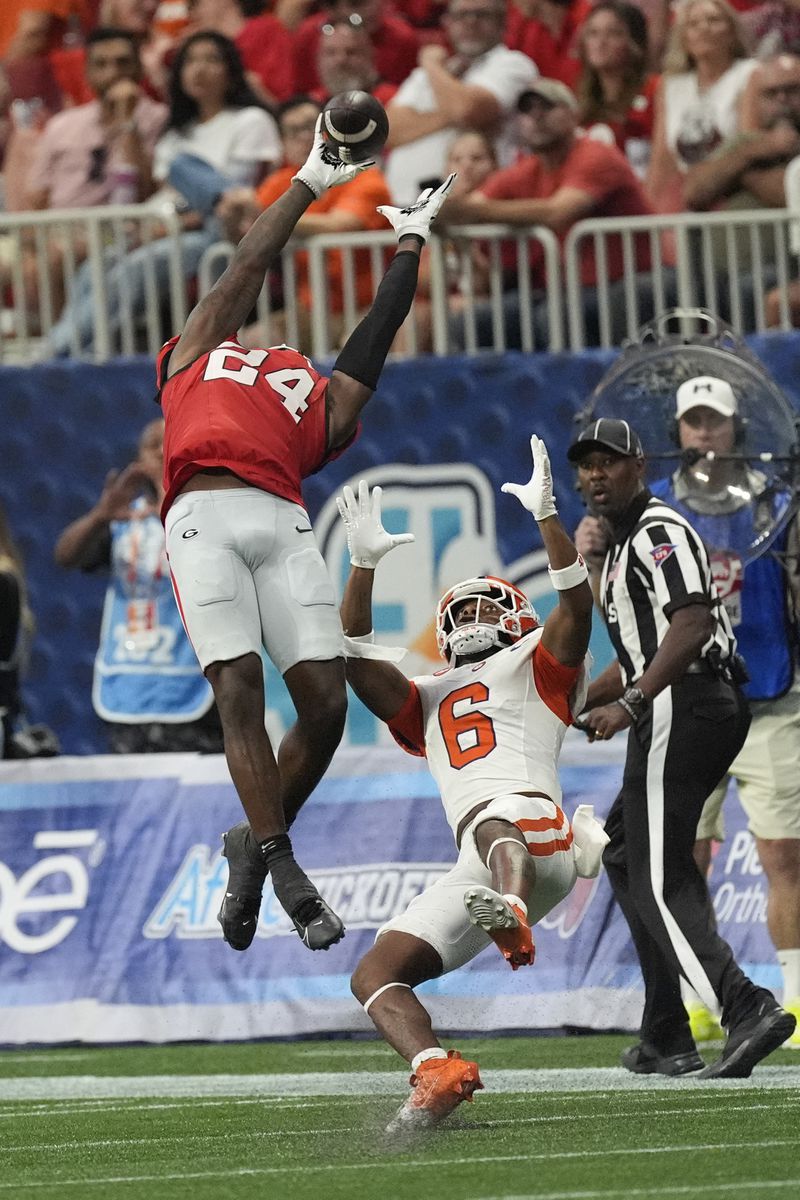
{"points": [[592, 167], [267, 47], [394, 42], [555, 57], [637, 124], [259, 413]]}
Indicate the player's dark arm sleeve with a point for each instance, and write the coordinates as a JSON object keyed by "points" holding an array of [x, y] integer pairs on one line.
{"points": [[364, 353]]}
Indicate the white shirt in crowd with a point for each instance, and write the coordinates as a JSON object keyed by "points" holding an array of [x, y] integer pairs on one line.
{"points": [[697, 122], [503, 72], [236, 141]]}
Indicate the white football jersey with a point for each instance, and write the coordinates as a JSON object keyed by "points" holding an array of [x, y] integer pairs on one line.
{"points": [[492, 727]]}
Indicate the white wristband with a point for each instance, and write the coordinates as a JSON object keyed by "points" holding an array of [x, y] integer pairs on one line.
{"points": [[362, 647], [364, 637], [569, 577]]}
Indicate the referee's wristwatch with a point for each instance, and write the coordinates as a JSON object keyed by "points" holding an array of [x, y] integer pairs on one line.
{"points": [[634, 701]]}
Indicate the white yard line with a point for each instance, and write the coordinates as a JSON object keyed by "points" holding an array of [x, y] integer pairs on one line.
{"points": [[424, 1164], [58, 1110], [370, 1083]]}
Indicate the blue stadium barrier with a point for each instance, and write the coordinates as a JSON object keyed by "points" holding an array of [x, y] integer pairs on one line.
{"points": [[464, 419], [111, 878]]}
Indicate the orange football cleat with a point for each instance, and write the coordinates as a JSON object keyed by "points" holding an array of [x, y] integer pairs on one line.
{"points": [[438, 1086], [505, 923]]}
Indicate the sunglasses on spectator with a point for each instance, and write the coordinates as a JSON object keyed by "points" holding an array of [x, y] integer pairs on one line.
{"points": [[353, 20], [529, 101]]}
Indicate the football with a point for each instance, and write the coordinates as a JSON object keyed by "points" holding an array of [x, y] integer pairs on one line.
{"points": [[355, 125]]}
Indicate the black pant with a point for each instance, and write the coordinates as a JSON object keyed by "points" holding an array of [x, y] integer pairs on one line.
{"points": [[203, 736], [677, 754]]}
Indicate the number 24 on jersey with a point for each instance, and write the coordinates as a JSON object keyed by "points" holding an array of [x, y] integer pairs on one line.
{"points": [[292, 385]]}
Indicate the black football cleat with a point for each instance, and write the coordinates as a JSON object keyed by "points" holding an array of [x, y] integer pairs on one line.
{"points": [[317, 925], [751, 1040], [644, 1059], [238, 915]]}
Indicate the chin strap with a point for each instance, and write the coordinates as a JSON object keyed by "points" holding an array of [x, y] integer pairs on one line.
{"points": [[473, 639]]}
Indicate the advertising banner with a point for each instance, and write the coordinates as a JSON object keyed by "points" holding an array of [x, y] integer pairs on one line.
{"points": [[111, 878]]}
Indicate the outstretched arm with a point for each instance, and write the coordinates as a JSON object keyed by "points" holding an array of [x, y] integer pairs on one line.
{"points": [[567, 629], [233, 296], [358, 367], [378, 684]]}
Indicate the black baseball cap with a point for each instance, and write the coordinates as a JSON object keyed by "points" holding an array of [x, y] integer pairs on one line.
{"points": [[611, 435]]}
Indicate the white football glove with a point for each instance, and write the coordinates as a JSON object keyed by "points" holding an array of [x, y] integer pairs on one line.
{"points": [[324, 169], [417, 218], [367, 540], [537, 494]]}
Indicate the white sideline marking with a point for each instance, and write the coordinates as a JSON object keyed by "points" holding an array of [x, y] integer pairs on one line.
{"points": [[42, 1055], [369, 1083], [424, 1163], [677, 1190]]}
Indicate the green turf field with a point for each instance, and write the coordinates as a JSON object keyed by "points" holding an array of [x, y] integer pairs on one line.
{"points": [[557, 1121]]}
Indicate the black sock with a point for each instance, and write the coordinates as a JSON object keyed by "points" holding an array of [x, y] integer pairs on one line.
{"points": [[294, 890], [275, 848]]}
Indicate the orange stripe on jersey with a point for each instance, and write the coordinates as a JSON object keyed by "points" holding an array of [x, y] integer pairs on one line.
{"points": [[545, 849], [539, 825], [407, 727], [554, 682]]}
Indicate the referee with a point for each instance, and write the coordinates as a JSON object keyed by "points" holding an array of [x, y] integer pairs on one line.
{"points": [[674, 686]]}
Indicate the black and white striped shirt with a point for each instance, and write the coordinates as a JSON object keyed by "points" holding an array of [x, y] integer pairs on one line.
{"points": [[658, 566]]}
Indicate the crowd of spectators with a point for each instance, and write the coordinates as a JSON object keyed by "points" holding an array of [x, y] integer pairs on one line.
{"points": [[610, 108]]}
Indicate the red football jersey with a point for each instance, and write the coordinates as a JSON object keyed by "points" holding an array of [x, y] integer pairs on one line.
{"points": [[258, 413]]}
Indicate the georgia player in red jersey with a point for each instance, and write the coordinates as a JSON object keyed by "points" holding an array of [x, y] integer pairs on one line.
{"points": [[491, 726], [243, 428]]}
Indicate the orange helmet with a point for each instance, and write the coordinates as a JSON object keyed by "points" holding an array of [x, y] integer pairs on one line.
{"points": [[479, 636]]}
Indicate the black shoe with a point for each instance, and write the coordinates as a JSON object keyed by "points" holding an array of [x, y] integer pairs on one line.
{"points": [[751, 1040], [238, 915], [317, 925], [644, 1059]]}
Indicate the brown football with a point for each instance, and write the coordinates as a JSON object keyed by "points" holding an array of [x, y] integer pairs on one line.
{"points": [[355, 125]]}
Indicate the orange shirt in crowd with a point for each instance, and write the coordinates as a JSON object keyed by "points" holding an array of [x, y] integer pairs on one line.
{"points": [[12, 10], [360, 196]]}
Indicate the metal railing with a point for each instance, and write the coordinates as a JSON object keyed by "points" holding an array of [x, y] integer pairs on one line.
{"points": [[130, 269], [46, 257], [722, 261], [429, 326]]}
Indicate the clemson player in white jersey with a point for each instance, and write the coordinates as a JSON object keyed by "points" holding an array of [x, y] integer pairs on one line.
{"points": [[491, 725]]}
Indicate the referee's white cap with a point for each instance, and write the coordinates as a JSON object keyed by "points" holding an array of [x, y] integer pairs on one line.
{"points": [[609, 433], [708, 391]]}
